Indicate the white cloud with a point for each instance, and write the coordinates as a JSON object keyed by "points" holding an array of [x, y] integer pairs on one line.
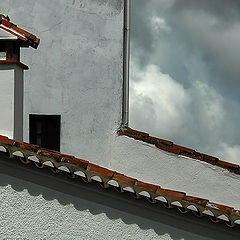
{"points": [[157, 100], [215, 38], [159, 24], [209, 104], [230, 153], [185, 74], [195, 117]]}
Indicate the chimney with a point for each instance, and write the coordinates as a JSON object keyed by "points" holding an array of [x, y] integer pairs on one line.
{"points": [[12, 38]]}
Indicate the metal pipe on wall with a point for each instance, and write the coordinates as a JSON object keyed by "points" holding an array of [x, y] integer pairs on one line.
{"points": [[126, 58]]}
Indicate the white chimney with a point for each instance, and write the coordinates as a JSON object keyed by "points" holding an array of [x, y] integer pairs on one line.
{"points": [[12, 39]]}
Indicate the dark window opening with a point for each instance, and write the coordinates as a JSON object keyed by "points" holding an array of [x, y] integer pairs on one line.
{"points": [[11, 48], [2, 46], [44, 131]]}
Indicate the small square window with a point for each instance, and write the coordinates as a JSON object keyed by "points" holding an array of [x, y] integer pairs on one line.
{"points": [[44, 131]]}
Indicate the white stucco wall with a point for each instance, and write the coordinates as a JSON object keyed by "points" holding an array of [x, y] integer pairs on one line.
{"points": [[196, 178], [76, 71], [7, 100], [30, 211]]}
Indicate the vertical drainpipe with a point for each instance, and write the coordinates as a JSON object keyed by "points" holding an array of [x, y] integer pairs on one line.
{"points": [[126, 58]]}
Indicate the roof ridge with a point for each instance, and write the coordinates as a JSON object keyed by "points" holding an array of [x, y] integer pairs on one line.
{"points": [[171, 147], [77, 167]]}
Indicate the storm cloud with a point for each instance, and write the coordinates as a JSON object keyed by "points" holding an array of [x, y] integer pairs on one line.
{"points": [[185, 73]]}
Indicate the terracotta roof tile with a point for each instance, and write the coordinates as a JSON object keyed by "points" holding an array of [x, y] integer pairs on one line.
{"points": [[144, 185], [199, 201], [177, 149], [229, 166], [6, 140], [171, 194], [122, 178], [76, 161], [100, 170], [28, 38], [160, 141], [170, 198], [221, 207]]}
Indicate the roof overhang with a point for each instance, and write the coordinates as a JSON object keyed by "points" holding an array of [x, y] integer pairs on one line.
{"points": [[79, 168], [13, 32], [51, 185]]}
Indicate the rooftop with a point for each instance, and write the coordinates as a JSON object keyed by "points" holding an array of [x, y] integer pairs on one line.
{"points": [[178, 149], [86, 171], [27, 39]]}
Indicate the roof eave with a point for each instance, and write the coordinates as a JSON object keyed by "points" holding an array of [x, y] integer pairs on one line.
{"points": [[23, 35]]}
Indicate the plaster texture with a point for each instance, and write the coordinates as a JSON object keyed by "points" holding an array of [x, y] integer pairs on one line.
{"points": [[150, 164], [31, 211], [76, 72]]}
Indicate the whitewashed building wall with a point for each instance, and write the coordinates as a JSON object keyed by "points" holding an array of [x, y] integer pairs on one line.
{"points": [[77, 70]]}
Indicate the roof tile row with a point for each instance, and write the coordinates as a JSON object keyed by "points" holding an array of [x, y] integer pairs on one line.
{"points": [[177, 149], [89, 170]]}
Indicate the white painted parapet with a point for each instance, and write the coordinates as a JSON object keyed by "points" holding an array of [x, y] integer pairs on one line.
{"points": [[144, 161]]}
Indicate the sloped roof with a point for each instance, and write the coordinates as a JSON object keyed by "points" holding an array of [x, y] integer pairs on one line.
{"points": [[178, 149], [79, 168], [27, 38]]}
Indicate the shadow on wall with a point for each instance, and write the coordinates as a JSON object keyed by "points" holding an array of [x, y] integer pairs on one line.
{"points": [[42, 184]]}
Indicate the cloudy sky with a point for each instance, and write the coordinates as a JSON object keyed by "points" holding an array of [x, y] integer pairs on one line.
{"points": [[185, 73]]}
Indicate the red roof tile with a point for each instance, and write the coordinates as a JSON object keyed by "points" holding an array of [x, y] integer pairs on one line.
{"points": [[177, 149], [23, 35], [89, 170]]}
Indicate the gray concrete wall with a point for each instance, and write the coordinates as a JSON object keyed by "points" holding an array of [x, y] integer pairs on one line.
{"points": [[76, 71], [37, 204]]}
